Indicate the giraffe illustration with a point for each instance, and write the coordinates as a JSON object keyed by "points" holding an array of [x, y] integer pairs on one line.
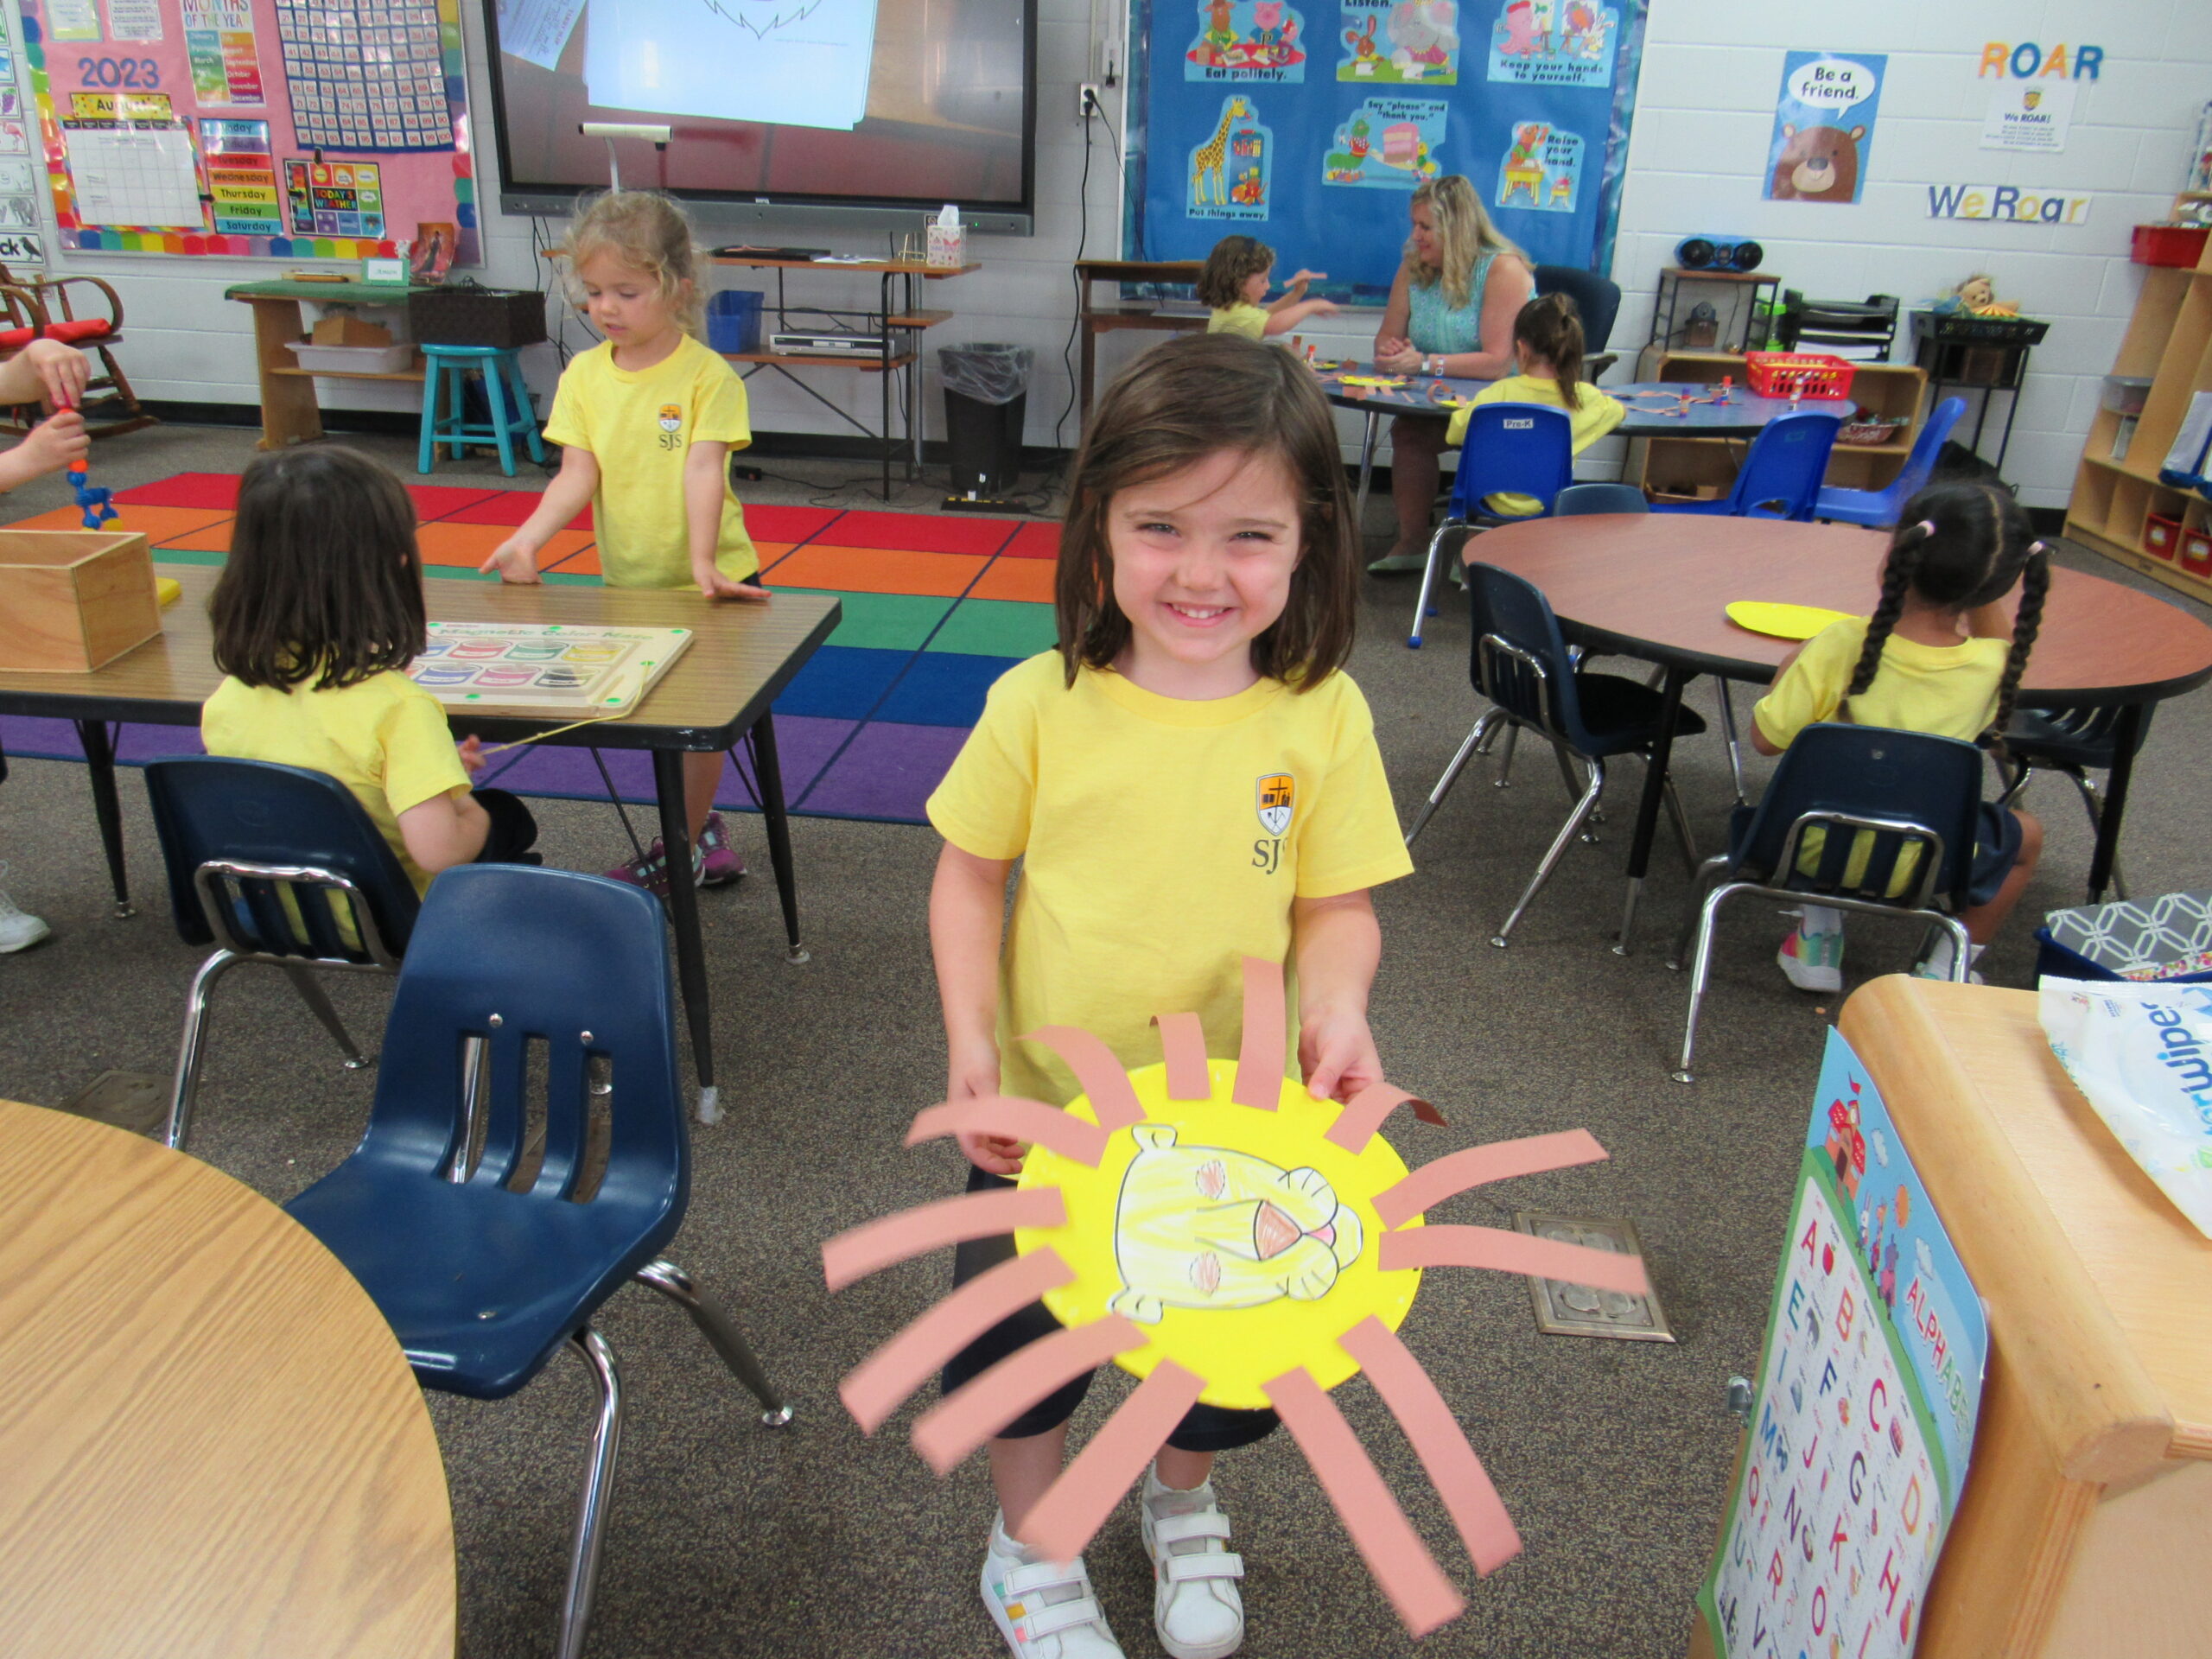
{"points": [[1207, 159]]}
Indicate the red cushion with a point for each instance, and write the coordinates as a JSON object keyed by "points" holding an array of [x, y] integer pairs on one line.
{"points": [[14, 340]]}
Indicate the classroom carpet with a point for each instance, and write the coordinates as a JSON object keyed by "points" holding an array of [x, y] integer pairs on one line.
{"points": [[936, 608]]}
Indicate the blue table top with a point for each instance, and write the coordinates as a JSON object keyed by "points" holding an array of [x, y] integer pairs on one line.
{"points": [[1654, 409]]}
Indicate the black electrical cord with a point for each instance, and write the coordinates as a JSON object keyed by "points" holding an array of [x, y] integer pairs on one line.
{"points": [[1082, 240]]}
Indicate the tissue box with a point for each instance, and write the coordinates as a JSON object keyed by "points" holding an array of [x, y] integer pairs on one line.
{"points": [[948, 245]]}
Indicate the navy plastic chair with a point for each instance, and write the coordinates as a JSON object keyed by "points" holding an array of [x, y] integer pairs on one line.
{"points": [[1879, 509], [1521, 448], [1781, 477], [1519, 662], [1577, 500], [1598, 299], [239, 838], [1878, 796], [2073, 742], [473, 1211]]}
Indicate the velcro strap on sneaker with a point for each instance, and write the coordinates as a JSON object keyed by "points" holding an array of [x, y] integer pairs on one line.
{"points": [[1043, 1575], [1177, 1528], [1206, 1564], [1063, 1615]]}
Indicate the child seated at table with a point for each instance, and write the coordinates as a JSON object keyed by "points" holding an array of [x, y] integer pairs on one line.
{"points": [[317, 614], [1547, 348], [1939, 655], [1235, 281]]}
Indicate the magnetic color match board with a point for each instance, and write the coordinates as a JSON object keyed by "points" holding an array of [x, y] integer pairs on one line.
{"points": [[169, 126], [544, 668], [1308, 122]]}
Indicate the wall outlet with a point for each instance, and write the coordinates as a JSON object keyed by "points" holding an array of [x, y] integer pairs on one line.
{"points": [[1087, 99]]}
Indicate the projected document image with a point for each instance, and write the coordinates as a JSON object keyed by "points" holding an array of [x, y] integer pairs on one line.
{"points": [[798, 63]]}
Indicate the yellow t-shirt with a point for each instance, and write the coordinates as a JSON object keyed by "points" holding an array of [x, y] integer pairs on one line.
{"points": [[1161, 842], [639, 427], [1595, 414], [1249, 320], [385, 739], [1944, 690]]}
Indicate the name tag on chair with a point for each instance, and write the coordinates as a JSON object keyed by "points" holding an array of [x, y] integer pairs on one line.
{"points": [[1525, 424]]}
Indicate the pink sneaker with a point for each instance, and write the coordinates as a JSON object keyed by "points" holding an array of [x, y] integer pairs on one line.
{"points": [[650, 872], [722, 863]]}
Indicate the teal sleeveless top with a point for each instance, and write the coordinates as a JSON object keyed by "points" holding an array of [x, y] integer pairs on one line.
{"points": [[1436, 326]]}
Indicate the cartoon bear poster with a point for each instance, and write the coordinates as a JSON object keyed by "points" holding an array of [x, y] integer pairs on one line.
{"points": [[1387, 143], [1400, 41], [1247, 40], [1230, 171], [1554, 42], [1823, 127]]}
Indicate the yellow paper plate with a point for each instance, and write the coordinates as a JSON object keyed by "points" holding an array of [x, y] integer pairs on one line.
{"points": [[1783, 622]]}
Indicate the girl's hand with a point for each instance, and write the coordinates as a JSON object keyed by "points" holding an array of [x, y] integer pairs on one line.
{"points": [[994, 1154], [714, 585], [515, 559], [471, 751], [55, 442], [1401, 359], [1322, 308], [62, 370], [1337, 1053], [1305, 276], [974, 1072]]}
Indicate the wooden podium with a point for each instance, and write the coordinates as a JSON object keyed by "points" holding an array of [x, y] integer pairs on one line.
{"points": [[2086, 1528]]}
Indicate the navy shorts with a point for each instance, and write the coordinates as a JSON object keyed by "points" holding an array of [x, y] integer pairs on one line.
{"points": [[1996, 849], [1203, 1427]]}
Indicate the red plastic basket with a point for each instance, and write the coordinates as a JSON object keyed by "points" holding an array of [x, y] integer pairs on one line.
{"points": [[1798, 374]]}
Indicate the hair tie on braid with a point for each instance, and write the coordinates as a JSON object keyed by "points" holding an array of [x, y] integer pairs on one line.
{"points": [[1922, 530]]}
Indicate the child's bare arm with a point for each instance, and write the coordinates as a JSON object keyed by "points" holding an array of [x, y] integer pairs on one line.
{"points": [[967, 912], [569, 494], [445, 830], [57, 442], [1338, 945], [1282, 318], [46, 370], [706, 470]]}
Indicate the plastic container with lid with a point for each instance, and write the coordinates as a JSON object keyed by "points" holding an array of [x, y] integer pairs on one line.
{"points": [[2126, 394]]}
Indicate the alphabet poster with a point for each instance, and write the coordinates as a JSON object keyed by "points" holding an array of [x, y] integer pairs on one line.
{"points": [[1311, 123], [1869, 1390], [1823, 124]]}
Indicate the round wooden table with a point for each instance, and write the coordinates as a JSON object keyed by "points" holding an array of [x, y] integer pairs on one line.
{"points": [[212, 1443], [1653, 586]]}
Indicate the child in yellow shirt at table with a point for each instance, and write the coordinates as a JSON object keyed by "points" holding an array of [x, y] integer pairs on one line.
{"points": [[1547, 348], [646, 420], [1234, 282]]}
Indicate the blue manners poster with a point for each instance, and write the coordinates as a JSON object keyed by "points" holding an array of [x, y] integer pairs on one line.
{"points": [[1309, 126]]}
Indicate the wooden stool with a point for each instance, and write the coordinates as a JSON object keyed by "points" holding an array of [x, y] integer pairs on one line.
{"points": [[504, 388]]}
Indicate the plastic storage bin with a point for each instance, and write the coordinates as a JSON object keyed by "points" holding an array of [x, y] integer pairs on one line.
{"points": [[734, 321], [2126, 394], [1809, 375], [2167, 244], [2162, 536], [354, 359], [2197, 552]]}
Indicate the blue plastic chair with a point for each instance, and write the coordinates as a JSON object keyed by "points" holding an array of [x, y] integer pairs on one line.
{"points": [[1879, 509], [1781, 477], [1577, 500], [1873, 792], [1521, 448], [486, 1254], [239, 838], [1519, 662], [2072, 742], [505, 389]]}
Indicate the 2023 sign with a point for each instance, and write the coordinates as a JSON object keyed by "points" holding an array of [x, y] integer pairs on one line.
{"points": [[143, 74]]}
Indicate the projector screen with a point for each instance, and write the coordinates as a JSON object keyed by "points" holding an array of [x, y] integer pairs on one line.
{"points": [[888, 104]]}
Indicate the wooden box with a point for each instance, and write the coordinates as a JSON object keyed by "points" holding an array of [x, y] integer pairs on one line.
{"points": [[72, 601]]}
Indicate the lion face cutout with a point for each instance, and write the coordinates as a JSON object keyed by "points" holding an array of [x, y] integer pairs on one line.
{"points": [[1205, 1227]]}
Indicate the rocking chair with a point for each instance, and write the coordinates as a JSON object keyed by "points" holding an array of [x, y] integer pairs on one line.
{"points": [[110, 406]]}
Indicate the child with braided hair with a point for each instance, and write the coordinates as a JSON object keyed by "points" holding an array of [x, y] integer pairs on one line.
{"points": [[1940, 654]]}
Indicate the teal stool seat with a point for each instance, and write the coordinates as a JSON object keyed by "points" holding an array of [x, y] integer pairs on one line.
{"points": [[501, 367]]}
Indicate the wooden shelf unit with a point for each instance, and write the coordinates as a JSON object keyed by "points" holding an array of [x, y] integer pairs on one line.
{"points": [[1663, 465], [2169, 339]]}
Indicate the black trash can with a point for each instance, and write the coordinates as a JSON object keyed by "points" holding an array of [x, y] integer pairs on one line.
{"points": [[985, 395]]}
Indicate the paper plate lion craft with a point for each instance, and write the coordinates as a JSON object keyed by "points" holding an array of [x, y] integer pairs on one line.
{"points": [[1223, 1236]]}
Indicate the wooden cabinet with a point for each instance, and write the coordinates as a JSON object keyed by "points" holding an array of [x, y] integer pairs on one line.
{"points": [[1677, 466], [2116, 498]]}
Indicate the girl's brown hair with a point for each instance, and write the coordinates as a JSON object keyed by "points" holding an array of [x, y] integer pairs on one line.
{"points": [[1551, 329], [648, 232], [1464, 232], [1959, 546], [324, 583], [1235, 260], [1193, 398]]}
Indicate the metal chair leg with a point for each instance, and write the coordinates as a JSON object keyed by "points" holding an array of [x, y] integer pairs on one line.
{"points": [[1701, 972], [1504, 778], [311, 993], [1728, 731], [1961, 948], [1574, 792], [2095, 804], [186, 1085], [1483, 728], [2017, 786], [1680, 821], [1428, 586], [716, 1324], [1706, 873], [599, 1481], [1559, 846]]}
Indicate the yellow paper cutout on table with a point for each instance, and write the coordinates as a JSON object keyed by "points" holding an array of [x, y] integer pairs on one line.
{"points": [[1783, 622], [1376, 382], [166, 589], [1209, 1209]]}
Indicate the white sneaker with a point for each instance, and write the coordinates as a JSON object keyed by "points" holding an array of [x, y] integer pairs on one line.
{"points": [[19, 929], [1936, 964], [1812, 961], [1045, 1610], [1196, 1607]]}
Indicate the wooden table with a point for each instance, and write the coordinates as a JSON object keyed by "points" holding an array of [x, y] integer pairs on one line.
{"points": [[741, 658], [289, 413], [1096, 319], [213, 1445], [2086, 1526], [903, 320], [1653, 586]]}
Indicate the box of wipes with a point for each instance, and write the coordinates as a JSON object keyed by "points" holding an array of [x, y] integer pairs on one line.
{"points": [[2142, 1056]]}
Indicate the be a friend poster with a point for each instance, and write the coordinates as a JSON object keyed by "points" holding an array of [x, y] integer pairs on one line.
{"points": [[1824, 126]]}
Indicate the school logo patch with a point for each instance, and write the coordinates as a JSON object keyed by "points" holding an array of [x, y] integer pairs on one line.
{"points": [[1276, 799], [671, 417]]}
